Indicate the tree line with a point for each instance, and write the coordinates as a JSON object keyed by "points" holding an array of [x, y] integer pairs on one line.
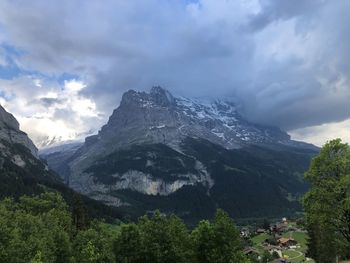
{"points": [[45, 229]]}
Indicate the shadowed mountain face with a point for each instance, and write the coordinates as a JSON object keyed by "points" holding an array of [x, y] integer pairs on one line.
{"points": [[23, 173], [187, 156], [20, 168]]}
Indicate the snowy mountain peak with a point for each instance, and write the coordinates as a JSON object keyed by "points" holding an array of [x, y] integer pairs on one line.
{"points": [[154, 144], [160, 117], [215, 110]]}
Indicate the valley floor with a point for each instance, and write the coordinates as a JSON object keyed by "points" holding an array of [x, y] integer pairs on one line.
{"points": [[295, 254]]}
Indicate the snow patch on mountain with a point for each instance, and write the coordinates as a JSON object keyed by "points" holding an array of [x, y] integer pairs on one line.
{"points": [[158, 117]]}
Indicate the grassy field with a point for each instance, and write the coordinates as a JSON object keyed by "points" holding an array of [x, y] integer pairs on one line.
{"points": [[257, 242], [300, 237], [297, 255], [291, 253], [260, 238]]}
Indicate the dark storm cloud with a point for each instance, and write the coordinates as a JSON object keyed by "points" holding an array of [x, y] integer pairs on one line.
{"points": [[287, 62], [48, 102], [274, 10]]}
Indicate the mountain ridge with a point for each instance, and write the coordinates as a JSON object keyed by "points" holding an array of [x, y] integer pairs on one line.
{"points": [[154, 146], [218, 121]]}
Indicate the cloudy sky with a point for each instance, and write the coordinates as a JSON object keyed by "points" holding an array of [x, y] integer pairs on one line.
{"points": [[65, 64]]}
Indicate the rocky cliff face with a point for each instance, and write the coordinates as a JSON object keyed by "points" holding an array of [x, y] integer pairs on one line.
{"points": [[21, 171], [180, 154], [20, 166], [10, 132], [159, 117]]}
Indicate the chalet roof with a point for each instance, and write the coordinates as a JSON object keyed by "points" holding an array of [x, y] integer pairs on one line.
{"points": [[249, 250], [284, 240]]}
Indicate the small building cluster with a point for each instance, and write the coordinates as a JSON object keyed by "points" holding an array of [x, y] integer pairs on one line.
{"points": [[276, 243]]}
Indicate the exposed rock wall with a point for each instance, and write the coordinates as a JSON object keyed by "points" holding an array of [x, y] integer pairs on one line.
{"points": [[9, 131]]}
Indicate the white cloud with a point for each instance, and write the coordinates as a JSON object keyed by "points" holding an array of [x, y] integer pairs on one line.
{"points": [[320, 134], [73, 86], [49, 111], [45, 129], [84, 107]]}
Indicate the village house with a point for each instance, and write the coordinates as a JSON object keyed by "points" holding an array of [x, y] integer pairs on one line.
{"points": [[248, 251], [287, 242], [279, 228]]}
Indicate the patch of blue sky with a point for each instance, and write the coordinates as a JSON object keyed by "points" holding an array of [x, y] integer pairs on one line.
{"points": [[190, 1], [11, 69], [67, 76], [12, 50], [6, 96]]}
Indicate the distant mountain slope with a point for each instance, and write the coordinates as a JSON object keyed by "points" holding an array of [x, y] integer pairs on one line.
{"points": [[250, 182], [58, 158], [22, 172], [188, 156]]}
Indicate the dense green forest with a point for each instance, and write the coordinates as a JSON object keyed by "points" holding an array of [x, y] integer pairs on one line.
{"points": [[45, 229]]}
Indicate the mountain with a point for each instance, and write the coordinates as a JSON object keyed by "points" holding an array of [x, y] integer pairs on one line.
{"points": [[10, 132], [58, 157], [22, 172], [158, 117], [189, 157], [52, 141], [47, 142]]}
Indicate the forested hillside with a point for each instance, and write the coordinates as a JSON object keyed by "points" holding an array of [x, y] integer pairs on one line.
{"points": [[43, 229], [23, 174]]}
